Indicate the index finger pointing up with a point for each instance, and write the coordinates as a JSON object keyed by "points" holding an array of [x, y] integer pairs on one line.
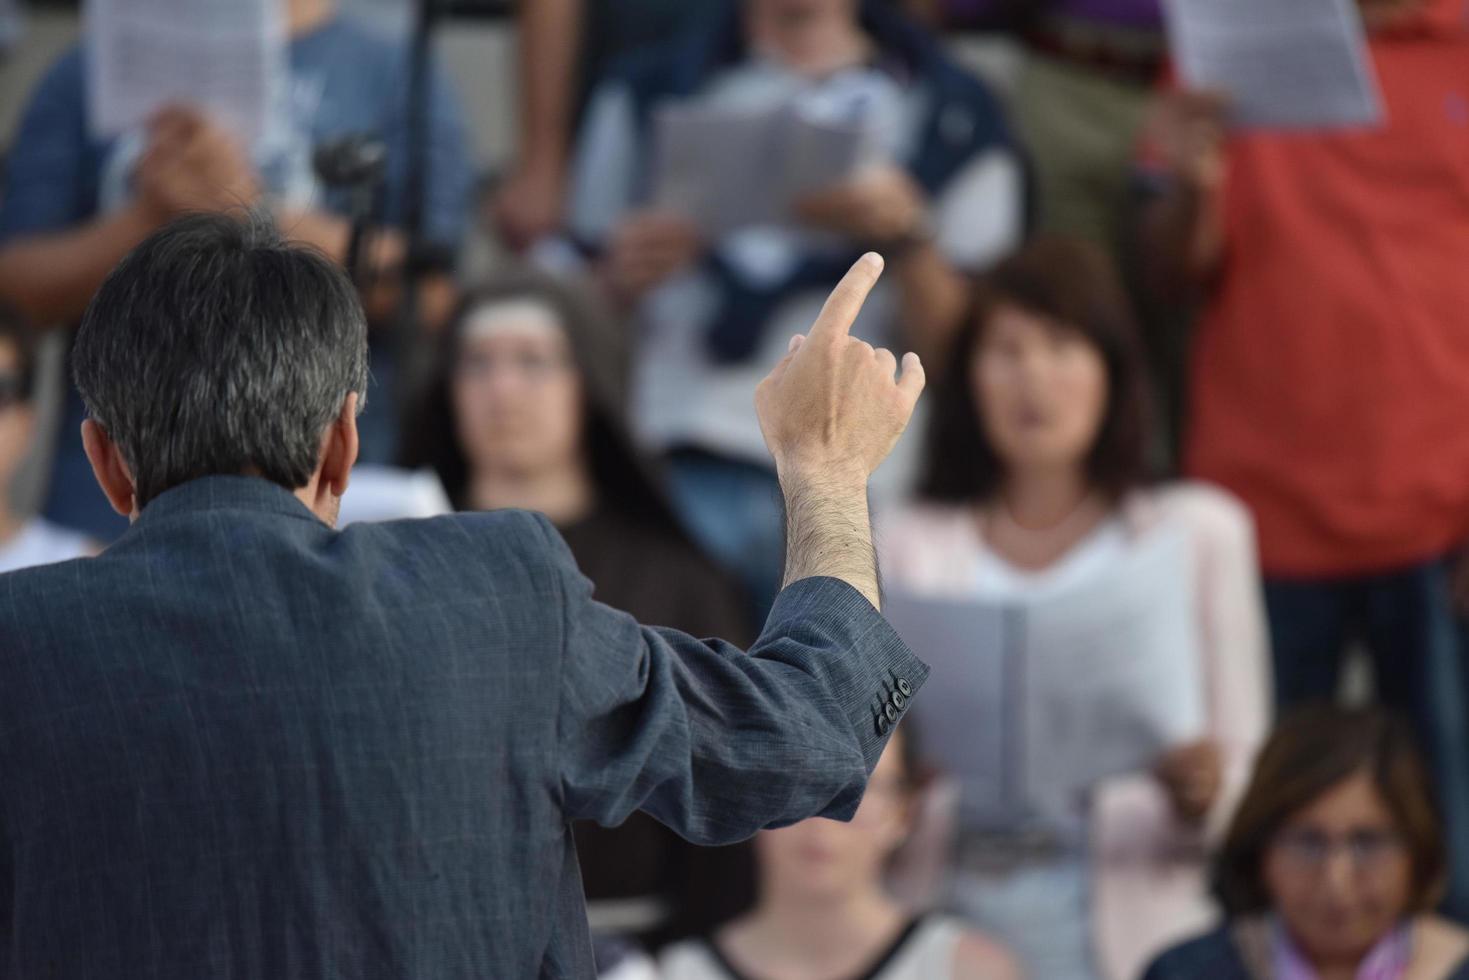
{"points": [[846, 300]]}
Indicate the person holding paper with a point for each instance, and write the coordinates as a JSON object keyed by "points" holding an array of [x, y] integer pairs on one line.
{"points": [[1081, 96], [74, 205], [1331, 371], [1032, 491], [944, 195], [524, 408], [562, 48]]}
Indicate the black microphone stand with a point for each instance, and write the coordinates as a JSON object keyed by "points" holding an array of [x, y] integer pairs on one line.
{"points": [[357, 164], [419, 257]]}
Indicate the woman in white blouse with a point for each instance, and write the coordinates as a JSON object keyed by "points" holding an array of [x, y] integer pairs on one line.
{"points": [[1034, 490]]}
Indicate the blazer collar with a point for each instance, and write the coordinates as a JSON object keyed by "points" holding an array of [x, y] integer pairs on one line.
{"points": [[226, 493]]}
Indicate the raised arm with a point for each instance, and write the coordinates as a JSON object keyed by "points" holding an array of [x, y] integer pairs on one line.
{"points": [[52, 257], [717, 743], [831, 411], [51, 276], [529, 205]]}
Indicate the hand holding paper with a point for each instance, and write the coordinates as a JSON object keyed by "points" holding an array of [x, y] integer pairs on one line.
{"points": [[647, 248], [1189, 129], [228, 57], [1281, 63], [880, 205], [1038, 701], [1193, 776], [727, 169], [193, 165]]}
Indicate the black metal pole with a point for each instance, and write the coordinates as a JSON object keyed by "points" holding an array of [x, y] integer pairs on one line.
{"points": [[416, 259], [415, 189], [356, 164]]}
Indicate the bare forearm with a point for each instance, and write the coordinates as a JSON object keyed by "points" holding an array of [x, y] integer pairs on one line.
{"points": [[550, 40], [51, 277], [831, 412], [935, 297], [829, 531], [1183, 233]]}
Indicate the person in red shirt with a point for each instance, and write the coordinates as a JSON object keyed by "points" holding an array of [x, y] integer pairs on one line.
{"points": [[1330, 382]]}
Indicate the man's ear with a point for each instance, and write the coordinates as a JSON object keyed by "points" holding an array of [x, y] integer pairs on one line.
{"points": [[110, 469], [340, 453]]}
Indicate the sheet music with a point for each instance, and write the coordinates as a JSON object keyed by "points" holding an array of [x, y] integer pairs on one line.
{"points": [[965, 716], [225, 56], [728, 169], [1114, 676], [1283, 63], [1030, 705]]}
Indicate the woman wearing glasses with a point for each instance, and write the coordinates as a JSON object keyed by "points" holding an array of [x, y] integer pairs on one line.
{"points": [[524, 409], [1332, 864]]}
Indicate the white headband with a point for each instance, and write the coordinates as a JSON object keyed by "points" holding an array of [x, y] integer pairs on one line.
{"points": [[521, 315]]}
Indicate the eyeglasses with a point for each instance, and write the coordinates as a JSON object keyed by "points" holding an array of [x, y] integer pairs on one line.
{"points": [[12, 391], [1309, 850], [535, 368]]}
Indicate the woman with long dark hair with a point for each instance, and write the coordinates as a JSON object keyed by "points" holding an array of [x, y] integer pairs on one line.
{"points": [[1034, 491], [524, 410]]}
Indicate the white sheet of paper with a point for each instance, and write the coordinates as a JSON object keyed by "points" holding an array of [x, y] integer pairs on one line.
{"points": [[1030, 705], [965, 717], [728, 169], [1287, 64], [1114, 676], [226, 57]]}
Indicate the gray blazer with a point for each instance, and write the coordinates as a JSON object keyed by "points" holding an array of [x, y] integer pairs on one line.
{"points": [[241, 744]]}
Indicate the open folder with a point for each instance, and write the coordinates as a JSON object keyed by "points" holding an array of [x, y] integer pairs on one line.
{"points": [[727, 169], [1033, 703]]}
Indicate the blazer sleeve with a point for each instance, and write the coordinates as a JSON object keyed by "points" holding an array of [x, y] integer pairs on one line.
{"points": [[715, 742]]}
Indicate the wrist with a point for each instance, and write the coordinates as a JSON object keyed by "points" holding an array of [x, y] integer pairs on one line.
{"points": [[830, 478]]}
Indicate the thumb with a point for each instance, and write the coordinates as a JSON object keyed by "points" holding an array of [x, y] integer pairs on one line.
{"points": [[913, 378], [777, 372]]}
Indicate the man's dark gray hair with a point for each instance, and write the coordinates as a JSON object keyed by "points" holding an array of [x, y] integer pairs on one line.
{"points": [[217, 348]]}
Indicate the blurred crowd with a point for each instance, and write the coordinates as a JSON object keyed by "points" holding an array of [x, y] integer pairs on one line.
{"points": [[1140, 322]]}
